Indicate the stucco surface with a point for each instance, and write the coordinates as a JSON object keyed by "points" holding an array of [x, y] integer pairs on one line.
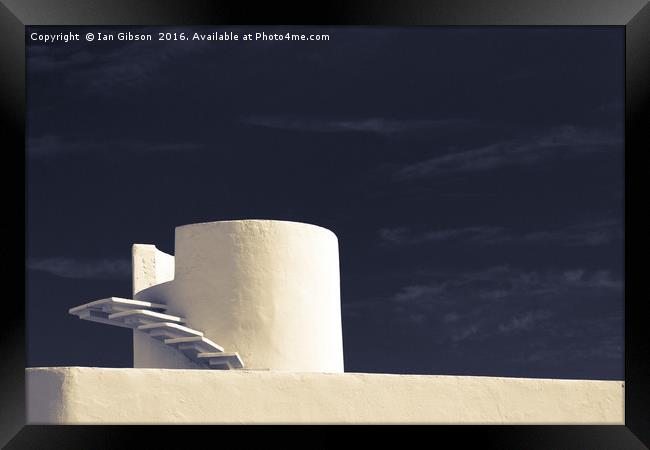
{"points": [[85, 395], [152, 267], [266, 289]]}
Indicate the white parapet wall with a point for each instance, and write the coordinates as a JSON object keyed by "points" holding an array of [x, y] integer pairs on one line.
{"points": [[266, 289], [86, 395]]}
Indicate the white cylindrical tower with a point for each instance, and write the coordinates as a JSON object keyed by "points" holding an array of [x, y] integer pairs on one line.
{"points": [[266, 289]]}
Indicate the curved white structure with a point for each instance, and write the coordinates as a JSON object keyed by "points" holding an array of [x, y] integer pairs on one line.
{"points": [[268, 290], [262, 294]]}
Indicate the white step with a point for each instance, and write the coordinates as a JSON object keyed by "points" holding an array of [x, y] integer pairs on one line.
{"points": [[168, 330], [194, 345], [137, 317], [116, 304], [221, 360], [99, 316], [149, 318]]}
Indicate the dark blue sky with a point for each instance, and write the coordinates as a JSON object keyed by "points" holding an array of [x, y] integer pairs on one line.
{"points": [[473, 176]]}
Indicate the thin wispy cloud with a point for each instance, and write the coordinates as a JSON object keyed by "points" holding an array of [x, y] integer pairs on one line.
{"points": [[502, 282], [409, 293], [498, 302], [464, 333], [450, 317], [51, 59], [52, 145], [562, 142], [374, 125], [524, 322], [90, 269], [494, 301], [585, 234], [403, 235], [98, 72], [607, 344]]}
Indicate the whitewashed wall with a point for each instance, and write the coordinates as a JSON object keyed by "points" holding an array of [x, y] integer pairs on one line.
{"points": [[85, 395], [267, 289]]}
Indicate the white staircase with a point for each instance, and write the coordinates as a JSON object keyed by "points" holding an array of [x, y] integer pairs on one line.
{"points": [[153, 319]]}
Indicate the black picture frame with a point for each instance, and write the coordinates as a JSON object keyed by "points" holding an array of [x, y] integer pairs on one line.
{"points": [[634, 15]]}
